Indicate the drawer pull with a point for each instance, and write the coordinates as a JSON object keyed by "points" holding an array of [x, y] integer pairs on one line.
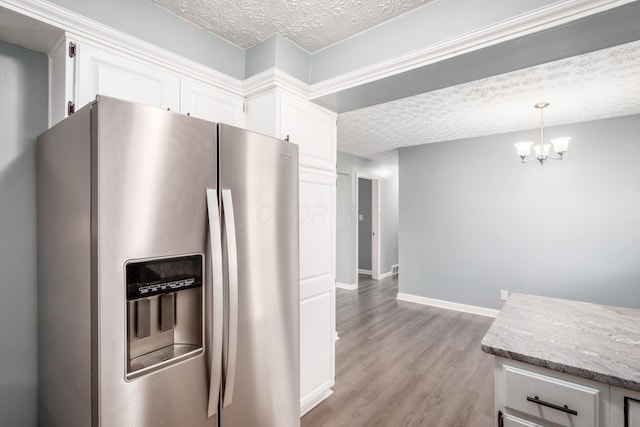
{"points": [[564, 408]]}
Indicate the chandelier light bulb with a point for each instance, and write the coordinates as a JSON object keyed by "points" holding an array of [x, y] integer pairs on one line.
{"points": [[542, 150]]}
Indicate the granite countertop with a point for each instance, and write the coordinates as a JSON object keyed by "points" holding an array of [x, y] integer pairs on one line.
{"points": [[593, 341]]}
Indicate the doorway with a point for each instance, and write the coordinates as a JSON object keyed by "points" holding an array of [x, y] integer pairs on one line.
{"points": [[367, 226]]}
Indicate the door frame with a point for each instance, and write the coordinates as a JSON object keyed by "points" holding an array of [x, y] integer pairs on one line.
{"points": [[375, 223]]}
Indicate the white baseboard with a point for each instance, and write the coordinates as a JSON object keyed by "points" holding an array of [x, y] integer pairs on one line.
{"points": [[385, 275], [363, 271], [315, 402], [449, 305], [347, 286]]}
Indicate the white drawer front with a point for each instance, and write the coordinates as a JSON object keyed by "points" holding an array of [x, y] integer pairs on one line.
{"points": [[521, 385]]}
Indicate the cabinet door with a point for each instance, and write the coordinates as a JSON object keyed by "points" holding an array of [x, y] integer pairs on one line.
{"points": [[104, 72], [313, 128], [317, 287], [210, 103], [625, 407]]}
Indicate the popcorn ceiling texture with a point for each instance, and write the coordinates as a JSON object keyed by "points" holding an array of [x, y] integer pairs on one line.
{"points": [[592, 86], [311, 24]]}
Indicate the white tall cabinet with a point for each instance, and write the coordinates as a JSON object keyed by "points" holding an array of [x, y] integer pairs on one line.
{"points": [[283, 114], [80, 69]]}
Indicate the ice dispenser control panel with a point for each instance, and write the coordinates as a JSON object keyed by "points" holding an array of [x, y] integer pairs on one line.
{"points": [[164, 311]]}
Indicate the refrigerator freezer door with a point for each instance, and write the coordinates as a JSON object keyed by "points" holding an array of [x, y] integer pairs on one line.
{"points": [[151, 169], [262, 176]]}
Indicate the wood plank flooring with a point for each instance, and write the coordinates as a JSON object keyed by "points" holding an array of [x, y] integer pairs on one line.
{"points": [[403, 364]]}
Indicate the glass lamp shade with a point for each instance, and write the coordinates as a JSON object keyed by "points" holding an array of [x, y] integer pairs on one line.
{"points": [[560, 145], [523, 148], [545, 151]]}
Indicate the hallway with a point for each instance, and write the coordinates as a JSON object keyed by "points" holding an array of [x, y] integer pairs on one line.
{"points": [[403, 364]]}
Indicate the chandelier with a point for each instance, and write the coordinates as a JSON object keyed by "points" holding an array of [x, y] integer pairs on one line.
{"points": [[560, 145]]}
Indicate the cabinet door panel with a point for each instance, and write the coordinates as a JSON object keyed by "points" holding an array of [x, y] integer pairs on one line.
{"points": [[107, 73], [209, 103], [316, 349], [317, 286], [313, 128]]}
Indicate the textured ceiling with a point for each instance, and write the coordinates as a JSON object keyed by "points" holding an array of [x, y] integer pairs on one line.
{"points": [[311, 24], [592, 86]]}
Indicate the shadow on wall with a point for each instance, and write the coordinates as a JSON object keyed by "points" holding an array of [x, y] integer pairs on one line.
{"points": [[23, 116]]}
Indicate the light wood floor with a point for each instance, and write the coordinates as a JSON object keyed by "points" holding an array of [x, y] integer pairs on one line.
{"points": [[403, 364]]}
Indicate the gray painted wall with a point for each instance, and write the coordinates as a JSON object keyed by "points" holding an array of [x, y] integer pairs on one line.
{"points": [[23, 116], [292, 59], [151, 23], [260, 57], [388, 174], [345, 230], [364, 223], [474, 220], [279, 52]]}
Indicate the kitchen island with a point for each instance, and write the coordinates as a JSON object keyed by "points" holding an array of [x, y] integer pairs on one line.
{"points": [[565, 362]]}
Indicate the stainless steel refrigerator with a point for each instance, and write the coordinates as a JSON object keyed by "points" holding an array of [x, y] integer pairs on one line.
{"points": [[168, 272]]}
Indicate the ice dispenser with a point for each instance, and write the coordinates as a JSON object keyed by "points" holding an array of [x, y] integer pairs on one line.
{"points": [[164, 312]]}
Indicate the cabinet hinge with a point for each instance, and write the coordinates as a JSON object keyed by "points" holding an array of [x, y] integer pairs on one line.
{"points": [[72, 50], [71, 108]]}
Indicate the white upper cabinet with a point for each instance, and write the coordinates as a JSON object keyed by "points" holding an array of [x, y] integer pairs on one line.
{"points": [[100, 71], [210, 103], [312, 127]]}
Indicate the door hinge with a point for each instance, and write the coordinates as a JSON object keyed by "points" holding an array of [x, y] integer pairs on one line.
{"points": [[71, 108], [244, 107], [500, 419], [72, 50]]}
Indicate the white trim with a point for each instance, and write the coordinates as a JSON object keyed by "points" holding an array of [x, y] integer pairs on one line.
{"points": [[385, 275], [449, 305], [315, 402], [530, 22], [347, 286], [363, 271], [273, 78]]}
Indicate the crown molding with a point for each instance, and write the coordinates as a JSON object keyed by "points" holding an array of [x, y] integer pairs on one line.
{"points": [[80, 27], [274, 78], [531, 22]]}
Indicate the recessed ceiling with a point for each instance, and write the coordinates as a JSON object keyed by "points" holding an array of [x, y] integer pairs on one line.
{"points": [[586, 87], [311, 24]]}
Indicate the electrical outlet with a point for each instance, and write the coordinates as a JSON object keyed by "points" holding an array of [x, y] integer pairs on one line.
{"points": [[504, 295]]}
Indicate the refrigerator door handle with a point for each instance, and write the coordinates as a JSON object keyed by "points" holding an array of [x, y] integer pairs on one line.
{"points": [[217, 301], [232, 259]]}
